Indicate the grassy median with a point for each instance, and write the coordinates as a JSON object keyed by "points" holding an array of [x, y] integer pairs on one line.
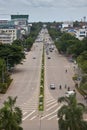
{"points": [[41, 93]]}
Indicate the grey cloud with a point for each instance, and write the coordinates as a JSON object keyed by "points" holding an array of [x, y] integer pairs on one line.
{"points": [[44, 9], [45, 3]]}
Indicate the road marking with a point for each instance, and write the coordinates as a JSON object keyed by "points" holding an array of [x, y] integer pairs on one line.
{"points": [[33, 117], [52, 117], [24, 113], [28, 115], [57, 118], [49, 114], [52, 107], [52, 112], [50, 100], [51, 103]]}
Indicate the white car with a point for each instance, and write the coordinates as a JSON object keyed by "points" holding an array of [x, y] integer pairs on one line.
{"points": [[68, 93], [52, 86]]}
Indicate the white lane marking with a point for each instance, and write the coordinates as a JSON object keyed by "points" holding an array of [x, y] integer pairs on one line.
{"points": [[50, 100], [52, 112], [24, 113], [51, 103], [28, 115], [52, 117], [52, 107], [33, 117], [57, 118]]}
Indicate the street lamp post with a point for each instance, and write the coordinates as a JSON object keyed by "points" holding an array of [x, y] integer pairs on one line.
{"points": [[40, 122]]}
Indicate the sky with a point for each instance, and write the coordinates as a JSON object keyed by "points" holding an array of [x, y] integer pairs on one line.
{"points": [[45, 10]]}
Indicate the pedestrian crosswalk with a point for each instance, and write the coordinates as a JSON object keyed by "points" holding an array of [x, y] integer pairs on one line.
{"points": [[30, 108]]}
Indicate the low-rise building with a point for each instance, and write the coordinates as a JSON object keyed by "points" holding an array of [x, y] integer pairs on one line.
{"points": [[81, 33], [7, 36]]}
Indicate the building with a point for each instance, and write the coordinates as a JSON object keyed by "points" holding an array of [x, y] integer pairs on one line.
{"points": [[14, 29], [67, 24], [81, 33], [21, 21], [7, 36]]}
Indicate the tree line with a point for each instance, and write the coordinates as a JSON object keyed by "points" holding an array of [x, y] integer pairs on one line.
{"points": [[72, 47], [13, 54]]}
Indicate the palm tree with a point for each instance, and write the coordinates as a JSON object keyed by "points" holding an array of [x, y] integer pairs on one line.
{"points": [[71, 114], [10, 115]]}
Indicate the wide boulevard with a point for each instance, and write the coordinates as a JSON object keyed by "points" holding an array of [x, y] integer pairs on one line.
{"points": [[26, 84]]}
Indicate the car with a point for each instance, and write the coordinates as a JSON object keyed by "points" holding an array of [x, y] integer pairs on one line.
{"points": [[52, 86], [34, 57], [68, 93], [49, 57]]}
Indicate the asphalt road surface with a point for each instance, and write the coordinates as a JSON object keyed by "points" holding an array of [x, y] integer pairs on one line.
{"points": [[26, 83]]}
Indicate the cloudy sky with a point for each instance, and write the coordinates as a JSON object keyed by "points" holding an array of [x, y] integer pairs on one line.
{"points": [[45, 10]]}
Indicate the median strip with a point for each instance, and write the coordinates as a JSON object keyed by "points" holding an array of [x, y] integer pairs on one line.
{"points": [[41, 93]]}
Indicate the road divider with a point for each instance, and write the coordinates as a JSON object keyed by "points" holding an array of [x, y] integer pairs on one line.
{"points": [[41, 93]]}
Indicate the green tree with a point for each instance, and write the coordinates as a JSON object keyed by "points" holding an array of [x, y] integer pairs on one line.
{"points": [[82, 61], [71, 114], [72, 48], [18, 42], [84, 41], [10, 115], [28, 43], [12, 54], [3, 72]]}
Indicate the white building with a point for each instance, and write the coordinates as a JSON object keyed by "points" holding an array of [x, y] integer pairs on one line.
{"points": [[67, 24], [81, 33], [21, 21], [7, 36]]}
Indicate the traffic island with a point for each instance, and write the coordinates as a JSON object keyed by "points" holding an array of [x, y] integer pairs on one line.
{"points": [[41, 93]]}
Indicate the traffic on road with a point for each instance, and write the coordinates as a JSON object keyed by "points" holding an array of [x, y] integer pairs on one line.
{"points": [[26, 83]]}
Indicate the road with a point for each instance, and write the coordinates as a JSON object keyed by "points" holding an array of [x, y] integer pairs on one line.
{"points": [[26, 82]]}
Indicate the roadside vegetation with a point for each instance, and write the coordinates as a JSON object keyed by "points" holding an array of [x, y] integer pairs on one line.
{"points": [[13, 54], [73, 49], [70, 115], [10, 115], [41, 94], [10, 55]]}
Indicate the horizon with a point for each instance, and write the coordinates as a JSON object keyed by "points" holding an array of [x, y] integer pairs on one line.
{"points": [[45, 10]]}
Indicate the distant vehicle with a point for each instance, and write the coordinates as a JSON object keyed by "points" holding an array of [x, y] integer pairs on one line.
{"points": [[68, 93], [51, 51], [34, 57], [52, 86], [49, 57]]}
